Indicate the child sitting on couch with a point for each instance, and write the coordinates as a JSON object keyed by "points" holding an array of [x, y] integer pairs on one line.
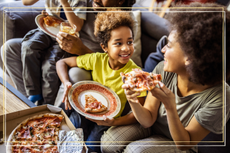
{"points": [[114, 30]]}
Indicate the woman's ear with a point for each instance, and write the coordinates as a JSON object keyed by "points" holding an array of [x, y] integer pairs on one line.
{"points": [[187, 61], [104, 48]]}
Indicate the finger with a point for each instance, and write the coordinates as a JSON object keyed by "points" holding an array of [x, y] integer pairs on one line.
{"points": [[129, 92], [66, 35], [164, 88], [133, 96]]}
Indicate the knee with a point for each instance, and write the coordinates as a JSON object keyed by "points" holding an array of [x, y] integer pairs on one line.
{"points": [[77, 74], [111, 144]]}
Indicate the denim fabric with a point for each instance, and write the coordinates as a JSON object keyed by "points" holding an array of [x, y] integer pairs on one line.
{"points": [[154, 58], [92, 131]]}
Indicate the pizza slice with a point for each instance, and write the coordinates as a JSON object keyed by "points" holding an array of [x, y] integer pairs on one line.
{"points": [[140, 80], [51, 21], [92, 105]]}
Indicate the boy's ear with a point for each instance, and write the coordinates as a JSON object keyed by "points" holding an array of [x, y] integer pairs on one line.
{"points": [[104, 48]]}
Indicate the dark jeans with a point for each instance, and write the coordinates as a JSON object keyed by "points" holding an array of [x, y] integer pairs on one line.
{"points": [[154, 58], [92, 131]]}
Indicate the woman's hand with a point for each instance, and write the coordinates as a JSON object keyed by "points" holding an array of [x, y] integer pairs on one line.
{"points": [[130, 95], [165, 95], [65, 99], [63, 2], [105, 122]]}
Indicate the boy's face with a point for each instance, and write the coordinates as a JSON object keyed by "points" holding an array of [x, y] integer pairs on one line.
{"points": [[106, 3], [120, 47]]}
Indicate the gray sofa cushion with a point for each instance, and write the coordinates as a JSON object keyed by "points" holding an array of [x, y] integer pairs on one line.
{"points": [[17, 19]]}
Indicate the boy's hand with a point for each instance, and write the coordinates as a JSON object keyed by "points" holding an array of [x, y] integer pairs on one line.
{"points": [[105, 122], [65, 99], [130, 95], [44, 12]]}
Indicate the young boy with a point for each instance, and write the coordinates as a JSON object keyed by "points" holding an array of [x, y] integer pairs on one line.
{"points": [[114, 31], [36, 43]]}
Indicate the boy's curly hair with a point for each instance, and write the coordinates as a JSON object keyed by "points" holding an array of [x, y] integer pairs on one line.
{"points": [[128, 3], [200, 35], [107, 21]]}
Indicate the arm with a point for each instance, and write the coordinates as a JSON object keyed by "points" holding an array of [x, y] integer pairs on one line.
{"points": [[124, 120], [29, 2], [71, 17], [190, 135], [146, 115], [62, 67]]}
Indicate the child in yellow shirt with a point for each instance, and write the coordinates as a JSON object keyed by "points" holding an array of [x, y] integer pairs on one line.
{"points": [[114, 30]]}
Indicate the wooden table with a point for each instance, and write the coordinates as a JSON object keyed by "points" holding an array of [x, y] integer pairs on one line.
{"points": [[12, 100]]}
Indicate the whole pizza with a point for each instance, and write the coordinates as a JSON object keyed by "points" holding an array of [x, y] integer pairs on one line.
{"points": [[38, 134]]}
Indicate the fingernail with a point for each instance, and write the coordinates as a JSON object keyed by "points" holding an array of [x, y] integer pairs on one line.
{"points": [[161, 84]]}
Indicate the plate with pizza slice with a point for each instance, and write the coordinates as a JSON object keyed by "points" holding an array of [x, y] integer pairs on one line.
{"points": [[49, 24], [94, 100]]}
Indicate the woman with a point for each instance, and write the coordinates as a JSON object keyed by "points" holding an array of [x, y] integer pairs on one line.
{"points": [[188, 104]]}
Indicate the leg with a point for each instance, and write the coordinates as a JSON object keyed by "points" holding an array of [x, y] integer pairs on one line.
{"points": [[75, 74], [34, 45], [92, 131], [11, 56], [153, 144], [154, 58], [94, 139], [50, 79], [117, 137]]}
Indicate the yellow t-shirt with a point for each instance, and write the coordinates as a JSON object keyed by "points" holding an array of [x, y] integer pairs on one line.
{"points": [[101, 72]]}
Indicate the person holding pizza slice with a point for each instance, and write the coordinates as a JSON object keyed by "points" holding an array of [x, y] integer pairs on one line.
{"points": [[114, 30], [189, 101]]}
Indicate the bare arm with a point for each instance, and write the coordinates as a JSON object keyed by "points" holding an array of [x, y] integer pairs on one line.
{"points": [[124, 120], [190, 135], [29, 2], [146, 115], [71, 17], [62, 67]]}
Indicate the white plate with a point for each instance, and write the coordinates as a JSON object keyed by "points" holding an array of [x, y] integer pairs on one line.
{"points": [[103, 94], [49, 30]]}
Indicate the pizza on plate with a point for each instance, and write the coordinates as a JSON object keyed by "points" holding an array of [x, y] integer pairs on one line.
{"points": [[51, 21], [140, 80], [92, 105], [38, 134]]}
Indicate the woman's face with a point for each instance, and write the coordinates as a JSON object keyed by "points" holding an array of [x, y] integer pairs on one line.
{"points": [[174, 57], [120, 47], [106, 3]]}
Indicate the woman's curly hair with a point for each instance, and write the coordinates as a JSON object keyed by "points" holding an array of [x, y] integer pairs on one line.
{"points": [[200, 35], [107, 21]]}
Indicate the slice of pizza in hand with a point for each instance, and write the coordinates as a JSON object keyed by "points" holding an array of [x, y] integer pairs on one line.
{"points": [[140, 80], [92, 105]]}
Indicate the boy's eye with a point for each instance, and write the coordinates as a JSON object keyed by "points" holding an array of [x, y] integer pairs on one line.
{"points": [[118, 43], [130, 42]]}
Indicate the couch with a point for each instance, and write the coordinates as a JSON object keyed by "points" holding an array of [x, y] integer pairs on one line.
{"points": [[17, 19]]}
